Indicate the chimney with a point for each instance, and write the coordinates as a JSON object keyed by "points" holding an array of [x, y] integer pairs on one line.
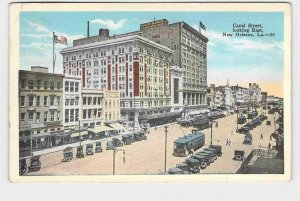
{"points": [[104, 32], [88, 28]]}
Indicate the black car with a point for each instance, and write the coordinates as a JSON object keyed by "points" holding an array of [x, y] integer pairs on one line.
{"points": [[98, 147], [22, 166], [68, 154], [184, 167], [215, 151], [35, 164], [126, 139], [247, 140], [218, 148], [204, 160], [176, 170], [243, 129], [110, 145], [239, 155], [79, 152], [117, 142], [210, 156], [89, 150], [193, 164]]}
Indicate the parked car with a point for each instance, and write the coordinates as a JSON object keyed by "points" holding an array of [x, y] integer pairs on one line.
{"points": [[243, 130], [110, 145], [117, 142], [176, 170], [184, 167], [140, 135], [126, 139], [89, 150], [98, 147], [79, 152], [215, 152], [239, 155], [67, 154], [194, 165], [22, 166], [212, 153], [204, 160], [218, 148], [35, 164], [247, 140], [210, 156]]}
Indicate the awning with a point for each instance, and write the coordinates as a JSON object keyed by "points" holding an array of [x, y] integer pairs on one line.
{"points": [[77, 134], [98, 129], [117, 126]]}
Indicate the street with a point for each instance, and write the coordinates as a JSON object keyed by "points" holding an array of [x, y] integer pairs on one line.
{"points": [[147, 157]]}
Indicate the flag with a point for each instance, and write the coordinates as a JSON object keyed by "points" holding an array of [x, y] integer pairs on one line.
{"points": [[61, 40], [202, 26]]}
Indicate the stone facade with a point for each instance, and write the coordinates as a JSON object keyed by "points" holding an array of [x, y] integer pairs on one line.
{"points": [[111, 106]]}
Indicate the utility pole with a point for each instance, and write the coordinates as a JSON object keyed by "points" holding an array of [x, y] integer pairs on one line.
{"points": [[237, 117], [79, 134], [211, 132], [166, 133]]}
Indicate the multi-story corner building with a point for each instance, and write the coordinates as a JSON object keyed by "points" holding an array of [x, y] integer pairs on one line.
{"points": [[72, 102], [190, 54], [40, 108], [92, 105], [111, 106], [135, 66], [240, 94], [255, 93]]}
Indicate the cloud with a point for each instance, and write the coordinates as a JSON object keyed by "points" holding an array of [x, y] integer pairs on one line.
{"points": [[40, 46], [110, 24], [38, 27]]}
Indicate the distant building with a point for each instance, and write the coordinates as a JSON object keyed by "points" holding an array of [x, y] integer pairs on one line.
{"points": [[40, 108], [176, 89], [190, 54], [255, 93], [264, 96]]}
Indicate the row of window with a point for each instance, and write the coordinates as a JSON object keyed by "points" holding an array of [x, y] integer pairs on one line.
{"points": [[38, 84], [101, 53], [91, 100], [71, 86], [40, 116], [145, 103], [36, 100], [71, 115], [91, 113]]}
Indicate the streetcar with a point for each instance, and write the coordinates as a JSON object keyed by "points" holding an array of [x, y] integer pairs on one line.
{"points": [[202, 123], [184, 145]]}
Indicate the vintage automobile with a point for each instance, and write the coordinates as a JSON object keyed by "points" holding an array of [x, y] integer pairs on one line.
{"points": [[89, 150], [239, 155], [176, 170], [194, 165], [110, 145], [203, 159], [185, 123], [247, 140], [79, 152], [98, 147], [243, 130], [187, 168], [202, 123], [22, 166], [211, 153], [126, 139], [241, 119], [35, 164], [209, 156], [140, 135], [218, 148], [117, 142], [67, 154], [257, 122], [215, 151]]}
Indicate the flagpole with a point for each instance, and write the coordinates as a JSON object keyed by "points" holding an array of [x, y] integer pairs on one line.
{"points": [[53, 51]]}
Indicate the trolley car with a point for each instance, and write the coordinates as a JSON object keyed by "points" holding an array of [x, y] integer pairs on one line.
{"points": [[184, 145]]}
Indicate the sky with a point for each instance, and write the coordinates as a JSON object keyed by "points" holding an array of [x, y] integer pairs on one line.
{"points": [[239, 59]]}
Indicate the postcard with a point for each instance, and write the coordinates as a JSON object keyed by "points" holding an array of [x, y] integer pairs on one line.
{"points": [[150, 92]]}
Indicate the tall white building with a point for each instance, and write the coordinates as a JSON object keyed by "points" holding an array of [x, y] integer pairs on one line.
{"points": [[135, 66]]}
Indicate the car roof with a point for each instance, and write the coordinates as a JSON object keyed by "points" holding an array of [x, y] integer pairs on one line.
{"points": [[192, 160]]}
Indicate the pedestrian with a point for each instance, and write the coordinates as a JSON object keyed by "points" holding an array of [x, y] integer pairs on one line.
{"points": [[217, 124], [261, 137], [271, 139], [229, 142], [269, 145]]}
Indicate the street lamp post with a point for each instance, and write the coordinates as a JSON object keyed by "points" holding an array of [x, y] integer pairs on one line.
{"points": [[237, 117], [166, 133], [79, 134], [115, 150]]}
